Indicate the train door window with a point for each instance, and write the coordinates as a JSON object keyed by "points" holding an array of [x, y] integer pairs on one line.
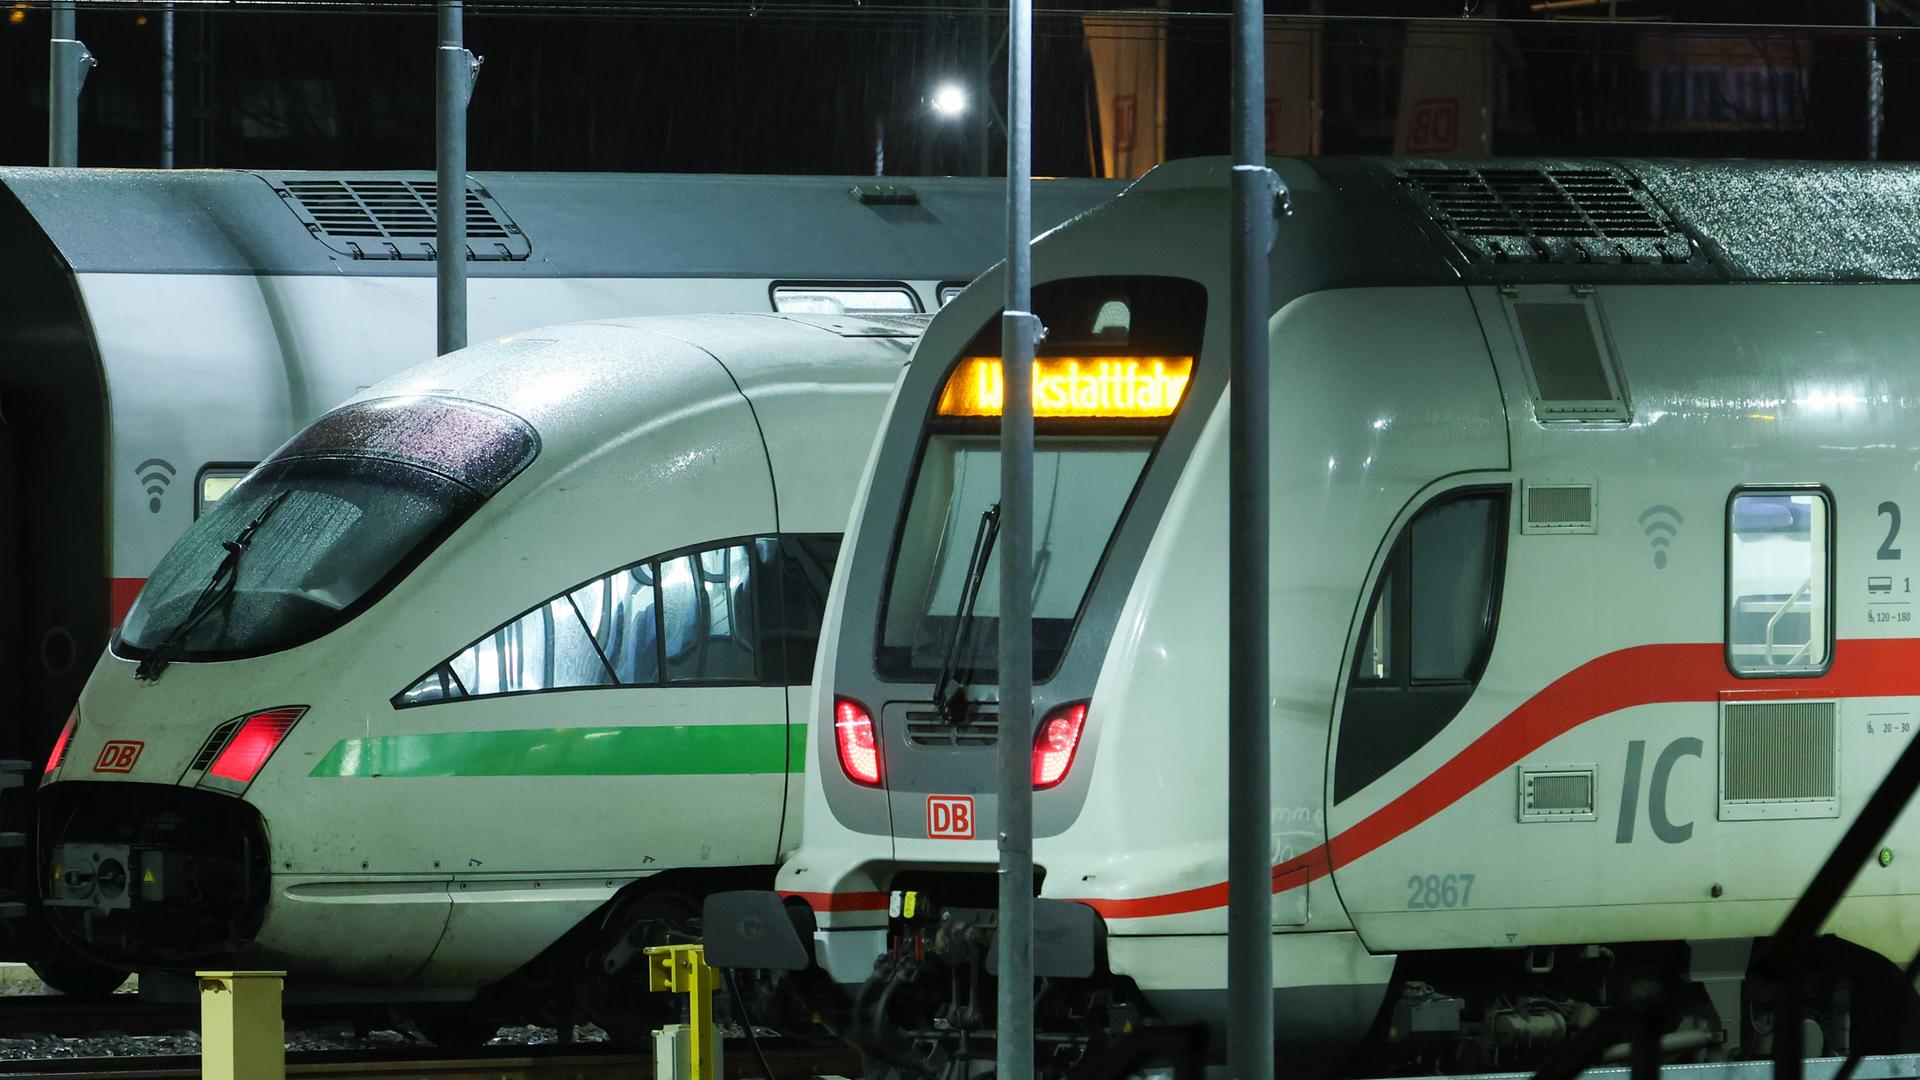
{"points": [[621, 611], [214, 483], [707, 616], [790, 630], [1779, 582], [1428, 633]]}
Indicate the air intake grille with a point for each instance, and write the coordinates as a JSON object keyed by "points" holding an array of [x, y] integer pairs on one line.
{"points": [[927, 729], [1551, 215], [1556, 793], [1777, 759], [211, 749], [1558, 508], [394, 219]]}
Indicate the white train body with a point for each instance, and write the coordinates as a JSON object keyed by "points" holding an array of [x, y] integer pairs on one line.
{"points": [[165, 330], [1658, 645], [433, 837]]}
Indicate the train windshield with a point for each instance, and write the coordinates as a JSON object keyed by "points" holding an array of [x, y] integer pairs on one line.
{"points": [[323, 528], [1105, 389]]}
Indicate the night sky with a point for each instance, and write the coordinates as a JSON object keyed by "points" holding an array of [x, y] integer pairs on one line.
{"points": [[807, 87]]}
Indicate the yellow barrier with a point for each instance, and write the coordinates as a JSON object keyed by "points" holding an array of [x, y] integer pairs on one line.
{"points": [[242, 1035], [682, 969]]}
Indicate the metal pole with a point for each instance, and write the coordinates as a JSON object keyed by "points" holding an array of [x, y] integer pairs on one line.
{"points": [[1249, 797], [166, 87], [68, 62], [983, 112], [455, 71], [1019, 334], [1876, 84]]}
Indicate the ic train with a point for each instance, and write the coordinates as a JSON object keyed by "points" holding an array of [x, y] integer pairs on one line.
{"points": [[164, 331], [1591, 622], [481, 680]]}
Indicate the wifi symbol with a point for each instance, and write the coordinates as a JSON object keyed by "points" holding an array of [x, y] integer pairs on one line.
{"points": [[155, 475], [1661, 524]]}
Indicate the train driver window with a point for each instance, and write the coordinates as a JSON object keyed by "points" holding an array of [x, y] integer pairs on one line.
{"points": [[1779, 584], [1427, 635]]}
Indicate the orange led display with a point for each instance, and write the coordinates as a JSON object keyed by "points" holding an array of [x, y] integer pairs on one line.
{"points": [[1087, 386]]}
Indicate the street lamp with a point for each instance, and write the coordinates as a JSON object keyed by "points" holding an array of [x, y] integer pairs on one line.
{"points": [[949, 100]]}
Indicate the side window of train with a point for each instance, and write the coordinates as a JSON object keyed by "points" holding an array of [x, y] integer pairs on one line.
{"points": [[790, 631], [214, 482], [1428, 632], [689, 618], [1779, 582]]}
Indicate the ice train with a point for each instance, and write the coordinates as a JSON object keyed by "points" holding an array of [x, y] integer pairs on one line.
{"points": [[1591, 622], [483, 679]]}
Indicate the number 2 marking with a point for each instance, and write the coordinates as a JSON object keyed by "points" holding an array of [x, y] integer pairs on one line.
{"points": [[1892, 512], [1434, 892]]}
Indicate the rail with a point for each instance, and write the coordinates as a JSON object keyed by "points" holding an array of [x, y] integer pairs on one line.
{"points": [[518, 1063], [1805, 589]]}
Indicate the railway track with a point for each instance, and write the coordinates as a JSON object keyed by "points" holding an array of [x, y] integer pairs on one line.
{"points": [[514, 1063]]}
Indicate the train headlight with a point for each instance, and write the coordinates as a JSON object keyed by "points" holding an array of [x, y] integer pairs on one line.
{"points": [[1054, 746], [247, 749], [857, 742]]}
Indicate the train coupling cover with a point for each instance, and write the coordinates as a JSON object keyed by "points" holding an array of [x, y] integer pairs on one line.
{"points": [[754, 929]]}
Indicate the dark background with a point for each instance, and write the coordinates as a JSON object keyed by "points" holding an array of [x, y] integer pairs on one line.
{"points": [[806, 87]]}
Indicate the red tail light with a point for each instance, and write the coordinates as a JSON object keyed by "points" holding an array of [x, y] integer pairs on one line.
{"points": [[59, 751], [253, 743], [859, 746], [1053, 748]]}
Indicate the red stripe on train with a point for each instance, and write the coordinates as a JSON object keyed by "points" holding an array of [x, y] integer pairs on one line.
{"points": [[1642, 675], [121, 592], [848, 901]]}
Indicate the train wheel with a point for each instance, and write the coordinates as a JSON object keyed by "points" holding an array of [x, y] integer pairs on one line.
{"points": [[463, 1026], [67, 972], [614, 993]]}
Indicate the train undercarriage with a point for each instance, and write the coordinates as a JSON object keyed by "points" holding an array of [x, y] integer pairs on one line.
{"points": [[928, 1007]]}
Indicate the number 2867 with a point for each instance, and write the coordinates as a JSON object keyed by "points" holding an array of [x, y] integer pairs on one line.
{"points": [[1433, 891]]}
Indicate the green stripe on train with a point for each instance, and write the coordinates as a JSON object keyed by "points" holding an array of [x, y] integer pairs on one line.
{"points": [[707, 750]]}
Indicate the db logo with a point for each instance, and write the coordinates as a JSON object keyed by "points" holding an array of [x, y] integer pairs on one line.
{"points": [[118, 756], [950, 817], [1436, 126]]}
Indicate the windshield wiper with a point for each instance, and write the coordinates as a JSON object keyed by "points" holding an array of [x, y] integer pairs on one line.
{"points": [[949, 693], [219, 589]]}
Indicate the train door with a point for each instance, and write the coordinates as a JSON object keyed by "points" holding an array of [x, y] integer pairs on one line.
{"points": [[1427, 634]]}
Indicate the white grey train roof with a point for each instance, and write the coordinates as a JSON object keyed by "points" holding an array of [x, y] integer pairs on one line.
{"points": [[582, 384], [1372, 221], [576, 225]]}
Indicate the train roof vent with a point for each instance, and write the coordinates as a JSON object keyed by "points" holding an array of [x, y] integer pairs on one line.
{"points": [[1548, 215], [393, 218]]}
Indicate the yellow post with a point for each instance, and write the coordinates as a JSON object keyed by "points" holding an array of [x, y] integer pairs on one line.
{"points": [[682, 969], [242, 1035]]}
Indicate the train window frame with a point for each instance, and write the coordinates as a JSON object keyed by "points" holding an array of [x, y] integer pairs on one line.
{"points": [[1829, 568], [776, 288], [772, 666], [238, 470], [986, 342], [1353, 770], [945, 292]]}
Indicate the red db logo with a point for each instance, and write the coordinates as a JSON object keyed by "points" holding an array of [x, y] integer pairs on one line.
{"points": [[950, 817], [118, 756], [1436, 126]]}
